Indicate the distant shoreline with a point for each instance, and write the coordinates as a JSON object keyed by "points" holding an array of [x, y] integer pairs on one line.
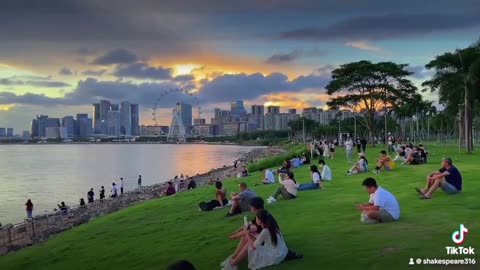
{"points": [[166, 143]]}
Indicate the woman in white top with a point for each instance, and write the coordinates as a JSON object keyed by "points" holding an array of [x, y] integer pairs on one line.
{"points": [[288, 190], [326, 149], [316, 177], [326, 173], [360, 167], [267, 249]]}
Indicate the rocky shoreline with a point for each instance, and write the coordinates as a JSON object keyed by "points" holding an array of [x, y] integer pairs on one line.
{"points": [[42, 227]]}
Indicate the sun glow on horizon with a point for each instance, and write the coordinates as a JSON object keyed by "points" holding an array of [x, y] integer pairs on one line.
{"points": [[184, 69]]}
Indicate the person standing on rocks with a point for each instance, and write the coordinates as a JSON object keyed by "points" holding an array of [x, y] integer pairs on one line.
{"points": [[122, 185], [29, 206], [90, 195], [102, 193], [114, 190], [139, 181]]}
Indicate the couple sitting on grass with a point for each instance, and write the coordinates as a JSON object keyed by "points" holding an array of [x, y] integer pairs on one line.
{"points": [[261, 242], [448, 178], [318, 179], [384, 162]]}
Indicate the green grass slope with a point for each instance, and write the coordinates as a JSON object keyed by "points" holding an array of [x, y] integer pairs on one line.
{"points": [[323, 225]]}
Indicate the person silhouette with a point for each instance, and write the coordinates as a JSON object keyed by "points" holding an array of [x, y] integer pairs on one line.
{"points": [[411, 262]]}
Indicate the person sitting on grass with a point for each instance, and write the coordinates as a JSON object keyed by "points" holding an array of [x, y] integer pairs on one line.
{"points": [[256, 205], [305, 159], [220, 201], [241, 201], [382, 207], [243, 172], [269, 177], [448, 178], [170, 189], [326, 173], [384, 162], [360, 167], [315, 184], [267, 249], [400, 154], [288, 190]]}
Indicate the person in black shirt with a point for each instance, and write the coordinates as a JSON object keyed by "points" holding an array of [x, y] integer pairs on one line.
{"points": [[448, 178], [139, 181], [90, 195], [102, 193], [192, 184], [358, 142], [364, 145]]}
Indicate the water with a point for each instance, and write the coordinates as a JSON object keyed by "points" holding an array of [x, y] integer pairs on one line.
{"points": [[49, 174]]}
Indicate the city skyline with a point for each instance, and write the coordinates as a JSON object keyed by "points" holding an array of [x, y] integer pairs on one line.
{"points": [[263, 52]]}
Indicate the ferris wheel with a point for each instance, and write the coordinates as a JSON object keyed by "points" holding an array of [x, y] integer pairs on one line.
{"points": [[177, 129]]}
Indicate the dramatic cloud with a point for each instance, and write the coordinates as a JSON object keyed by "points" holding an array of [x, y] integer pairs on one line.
{"points": [[65, 72], [281, 58], [94, 73], [420, 72], [365, 47], [116, 56], [184, 78], [143, 71], [47, 83], [230, 87], [382, 27]]}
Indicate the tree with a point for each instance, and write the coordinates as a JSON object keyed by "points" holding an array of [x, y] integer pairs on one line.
{"points": [[456, 79], [370, 88], [296, 126]]}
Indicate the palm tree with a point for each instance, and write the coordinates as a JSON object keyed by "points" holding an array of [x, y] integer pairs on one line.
{"points": [[456, 80]]}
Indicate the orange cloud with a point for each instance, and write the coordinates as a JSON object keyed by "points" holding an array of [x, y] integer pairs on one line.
{"points": [[365, 47]]}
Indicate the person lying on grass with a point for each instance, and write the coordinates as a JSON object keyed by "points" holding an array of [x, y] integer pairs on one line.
{"points": [[288, 190], [382, 207], [269, 177], [384, 162], [220, 201], [360, 167], [448, 178], [316, 177], [267, 249], [241, 201]]}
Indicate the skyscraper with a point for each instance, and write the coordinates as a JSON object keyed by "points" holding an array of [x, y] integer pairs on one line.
{"points": [[101, 116], [292, 111], [185, 111], [9, 132], [113, 123], [273, 109], [69, 124], [84, 125], [125, 119], [41, 125], [96, 117], [135, 119], [3, 132], [258, 110], [34, 129], [237, 108]]}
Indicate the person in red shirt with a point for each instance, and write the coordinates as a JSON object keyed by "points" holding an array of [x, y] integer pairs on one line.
{"points": [[29, 206]]}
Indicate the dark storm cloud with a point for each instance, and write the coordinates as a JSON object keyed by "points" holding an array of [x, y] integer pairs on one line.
{"points": [[245, 87], [143, 71], [94, 73], [28, 98], [280, 58], [184, 78], [382, 27], [115, 56], [14, 81], [65, 72]]}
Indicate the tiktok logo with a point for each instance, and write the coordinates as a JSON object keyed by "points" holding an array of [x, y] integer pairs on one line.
{"points": [[458, 237]]}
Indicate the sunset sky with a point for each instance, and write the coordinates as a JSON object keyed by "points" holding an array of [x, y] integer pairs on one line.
{"points": [[57, 57]]}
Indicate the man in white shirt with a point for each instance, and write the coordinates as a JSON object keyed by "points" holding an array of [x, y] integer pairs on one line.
{"points": [[382, 207], [349, 149], [269, 177]]}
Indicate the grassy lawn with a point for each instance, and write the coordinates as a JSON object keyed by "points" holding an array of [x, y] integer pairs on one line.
{"points": [[323, 225]]}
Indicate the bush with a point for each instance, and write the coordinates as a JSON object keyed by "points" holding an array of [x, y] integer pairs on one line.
{"points": [[276, 161]]}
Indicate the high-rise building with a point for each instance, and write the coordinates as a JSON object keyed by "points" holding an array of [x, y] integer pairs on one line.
{"points": [[114, 107], [273, 109], [311, 110], [185, 111], [125, 118], [135, 119], [100, 114], [81, 116], [3, 132], [52, 122], [113, 123], [34, 128], [69, 124], [9, 132], [292, 111], [26, 135], [237, 108], [84, 125], [258, 110], [200, 121], [41, 125]]}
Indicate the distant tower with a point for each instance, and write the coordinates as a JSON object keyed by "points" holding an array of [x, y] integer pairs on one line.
{"points": [[177, 129]]}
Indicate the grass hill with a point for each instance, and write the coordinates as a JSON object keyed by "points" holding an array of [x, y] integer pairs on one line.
{"points": [[323, 225]]}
